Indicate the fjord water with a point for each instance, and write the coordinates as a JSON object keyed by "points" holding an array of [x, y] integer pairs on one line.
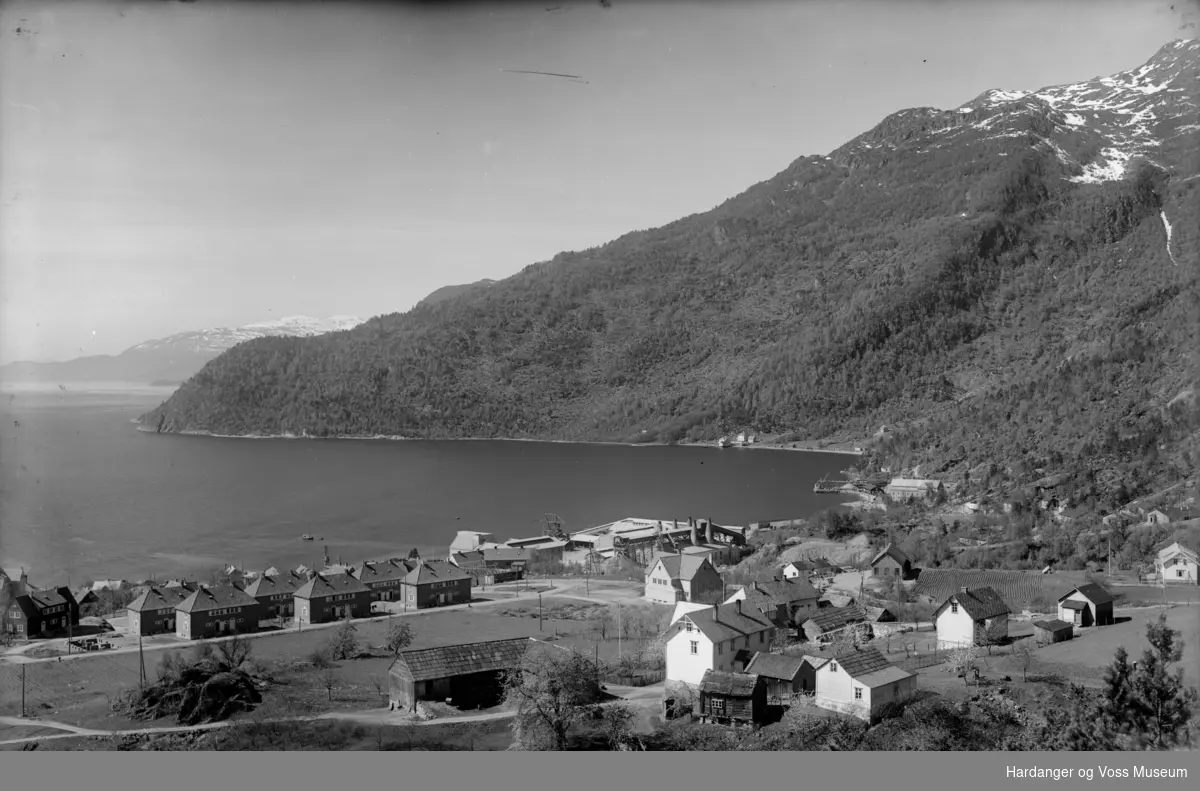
{"points": [[84, 494]]}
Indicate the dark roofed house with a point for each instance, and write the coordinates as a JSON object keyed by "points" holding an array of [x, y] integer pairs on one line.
{"points": [[1052, 631], [385, 578], [1086, 605], [891, 563], [977, 616], [732, 698], [216, 610], [153, 611], [470, 675], [436, 583], [331, 597], [86, 596], [861, 682], [785, 601], [276, 593], [41, 613], [784, 676]]}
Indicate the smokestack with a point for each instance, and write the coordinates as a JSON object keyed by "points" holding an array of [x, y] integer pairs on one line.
{"points": [[708, 536], [695, 535]]}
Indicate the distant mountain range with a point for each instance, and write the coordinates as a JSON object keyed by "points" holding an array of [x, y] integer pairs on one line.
{"points": [[1010, 286], [170, 360]]}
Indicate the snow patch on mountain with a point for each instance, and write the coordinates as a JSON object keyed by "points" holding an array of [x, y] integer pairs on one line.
{"points": [[1167, 228], [1110, 166], [218, 339]]}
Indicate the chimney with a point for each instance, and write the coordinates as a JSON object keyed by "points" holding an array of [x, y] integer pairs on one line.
{"points": [[716, 610], [695, 535], [964, 589], [738, 602], [708, 537]]}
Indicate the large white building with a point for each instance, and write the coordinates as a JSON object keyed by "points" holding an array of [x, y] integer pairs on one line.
{"points": [[674, 578], [1178, 565], [973, 616], [721, 637], [861, 682]]}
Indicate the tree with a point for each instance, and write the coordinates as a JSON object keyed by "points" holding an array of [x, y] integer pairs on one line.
{"points": [[603, 622], [329, 680], [234, 651], [1161, 706], [399, 637], [413, 554], [617, 726], [1025, 653], [552, 690], [344, 643], [962, 659]]}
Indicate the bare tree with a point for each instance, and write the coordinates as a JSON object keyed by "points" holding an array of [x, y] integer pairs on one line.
{"points": [[617, 726], [329, 679], [234, 652], [604, 622], [1024, 652]]}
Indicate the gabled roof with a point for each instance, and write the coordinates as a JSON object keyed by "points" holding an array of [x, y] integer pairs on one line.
{"points": [[329, 585], [869, 667], [276, 584], [498, 554], [1177, 549], [815, 661], [893, 552], [683, 567], [40, 600], [830, 618], [216, 597], [787, 591], [381, 570], [879, 614], [979, 603], [726, 622], [1053, 625], [888, 675], [778, 666], [427, 571], [1073, 605], [446, 661], [159, 599], [1092, 592], [739, 685]]}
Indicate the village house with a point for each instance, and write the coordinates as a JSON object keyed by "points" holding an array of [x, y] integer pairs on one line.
{"points": [[731, 698], [973, 616], [787, 602], [469, 675], [828, 623], [797, 570], [385, 578], [835, 600], [276, 593], [1177, 564], [86, 596], [1086, 605], [435, 583], [721, 637], [860, 682], [154, 610], [901, 489], [110, 585], [14, 583], [891, 563], [1051, 631], [673, 578], [331, 597], [41, 613], [784, 676], [216, 610]]}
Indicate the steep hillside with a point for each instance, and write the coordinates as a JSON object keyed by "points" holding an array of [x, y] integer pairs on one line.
{"points": [[171, 359], [449, 292], [1010, 286]]}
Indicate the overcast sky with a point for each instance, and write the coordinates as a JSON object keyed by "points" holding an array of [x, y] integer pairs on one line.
{"points": [[174, 166]]}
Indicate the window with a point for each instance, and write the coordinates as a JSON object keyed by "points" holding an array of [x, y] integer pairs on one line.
{"points": [[689, 626], [954, 607], [695, 647], [717, 706], [833, 667], [720, 648], [1179, 573], [895, 690], [858, 693]]}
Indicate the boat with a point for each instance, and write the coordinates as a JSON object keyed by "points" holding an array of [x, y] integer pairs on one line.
{"points": [[306, 537]]}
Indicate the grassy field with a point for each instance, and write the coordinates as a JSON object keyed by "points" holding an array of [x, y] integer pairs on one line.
{"points": [[1020, 589]]}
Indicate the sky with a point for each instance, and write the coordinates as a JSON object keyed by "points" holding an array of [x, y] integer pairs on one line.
{"points": [[169, 166]]}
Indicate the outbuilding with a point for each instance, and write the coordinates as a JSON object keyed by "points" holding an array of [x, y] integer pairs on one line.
{"points": [[1086, 605], [469, 675], [732, 698], [1052, 631]]}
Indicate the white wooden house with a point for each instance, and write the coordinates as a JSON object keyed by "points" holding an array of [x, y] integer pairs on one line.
{"points": [[973, 616], [860, 682], [1086, 605], [721, 637], [1178, 565], [673, 578]]}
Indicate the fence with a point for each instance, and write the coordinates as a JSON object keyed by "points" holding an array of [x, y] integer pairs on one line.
{"points": [[642, 678], [923, 660]]}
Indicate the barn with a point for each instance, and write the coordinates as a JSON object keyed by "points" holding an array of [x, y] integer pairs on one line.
{"points": [[732, 698], [1052, 631], [468, 675], [783, 675]]}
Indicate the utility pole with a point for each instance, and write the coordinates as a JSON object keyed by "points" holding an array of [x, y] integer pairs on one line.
{"points": [[141, 664], [539, 611], [22, 691], [618, 630]]}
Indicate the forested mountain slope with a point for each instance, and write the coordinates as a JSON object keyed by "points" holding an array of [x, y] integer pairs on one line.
{"points": [[1010, 285]]}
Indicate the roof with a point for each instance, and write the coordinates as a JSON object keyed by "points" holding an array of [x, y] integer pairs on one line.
{"points": [[778, 666], [726, 622], [273, 584], [157, 598], [683, 567], [49, 598], [445, 661], [1074, 605], [381, 570], [879, 614], [1093, 592], [500, 554], [980, 603], [831, 618], [1177, 549], [329, 585], [215, 597], [861, 661], [787, 591], [893, 552], [888, 675], [424, 572], [739, 685], [815, 661], [1053, 625]]}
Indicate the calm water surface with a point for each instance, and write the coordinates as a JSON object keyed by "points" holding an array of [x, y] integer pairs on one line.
{"points": [[84, 494]]}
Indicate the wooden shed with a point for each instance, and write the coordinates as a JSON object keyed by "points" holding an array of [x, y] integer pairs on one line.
{"points": [[469, 675], [1086, 605], [1052, 631], [783, 676], [732, 698]]}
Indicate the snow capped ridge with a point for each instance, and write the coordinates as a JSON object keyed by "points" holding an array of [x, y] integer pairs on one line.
{"points": [[218, 339]]}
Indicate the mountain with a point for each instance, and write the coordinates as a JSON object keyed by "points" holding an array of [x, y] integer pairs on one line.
{"points": [[1009, 286], [449, 292], [169, 360]]}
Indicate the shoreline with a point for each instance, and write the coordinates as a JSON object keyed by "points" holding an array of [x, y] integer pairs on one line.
{"points": [[400, 438]]}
